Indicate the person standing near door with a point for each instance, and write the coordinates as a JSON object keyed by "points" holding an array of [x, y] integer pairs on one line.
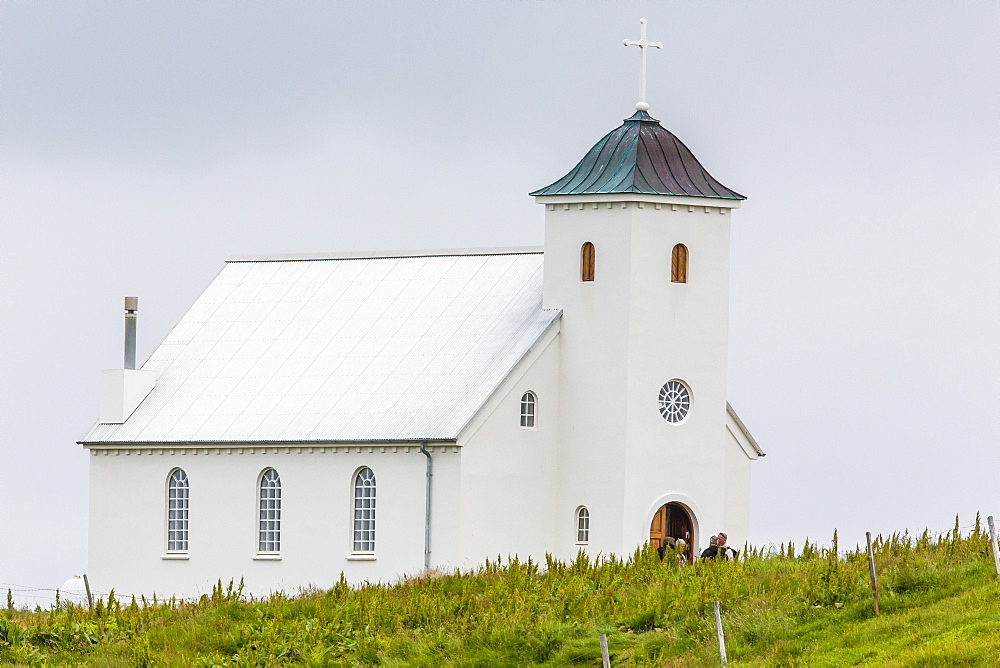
{"points": [[712, 551], [727, 553]]}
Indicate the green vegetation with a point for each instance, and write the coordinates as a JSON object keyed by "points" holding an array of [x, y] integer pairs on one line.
{"points": [[940, 605]]}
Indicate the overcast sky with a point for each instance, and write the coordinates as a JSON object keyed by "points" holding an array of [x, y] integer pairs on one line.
{"points": [[143, 143]]}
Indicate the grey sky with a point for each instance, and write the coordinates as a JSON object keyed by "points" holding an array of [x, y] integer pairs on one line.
{"points": [[143, 143]]}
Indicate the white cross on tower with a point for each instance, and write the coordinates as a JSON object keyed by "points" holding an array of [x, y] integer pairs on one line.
{"points": [[643, 44]]}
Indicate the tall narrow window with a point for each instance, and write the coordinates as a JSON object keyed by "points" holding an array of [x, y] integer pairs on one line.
{"points": [[364, 511], [528, 410], [269, 534], [582, 525], [587, 262], [178, 498], [679, 264]]}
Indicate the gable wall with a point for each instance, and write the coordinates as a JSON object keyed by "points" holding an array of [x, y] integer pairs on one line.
{"points": [[509, 474]]}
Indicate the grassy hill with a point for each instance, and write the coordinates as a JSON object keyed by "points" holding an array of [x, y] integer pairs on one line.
{"points": [[939, 596]]}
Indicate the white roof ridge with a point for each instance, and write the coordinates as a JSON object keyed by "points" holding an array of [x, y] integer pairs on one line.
{"points": [[376, 255], [743, 428]]}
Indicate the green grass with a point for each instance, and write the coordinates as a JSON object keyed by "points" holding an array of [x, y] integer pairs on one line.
{"points": [[940, 605]]}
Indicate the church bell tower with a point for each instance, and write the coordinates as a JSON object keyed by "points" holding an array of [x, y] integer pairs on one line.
{"points": [[637, 240]]}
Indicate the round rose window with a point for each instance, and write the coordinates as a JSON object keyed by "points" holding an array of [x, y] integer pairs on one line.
{"points": [[675, 400]]}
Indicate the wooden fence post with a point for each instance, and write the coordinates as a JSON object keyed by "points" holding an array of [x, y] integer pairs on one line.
{"points": [[605, 657], [90, 597], [993, 543], [871, 571], [718, 632]]}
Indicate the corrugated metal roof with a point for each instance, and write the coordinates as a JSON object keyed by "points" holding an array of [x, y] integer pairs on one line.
{"points": [[360, 349], [640, 156]]}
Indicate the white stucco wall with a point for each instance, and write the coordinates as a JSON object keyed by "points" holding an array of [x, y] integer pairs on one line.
{"points": [[593, 357], [737, 517], [623, 336], [509, 473], [128, 516]]}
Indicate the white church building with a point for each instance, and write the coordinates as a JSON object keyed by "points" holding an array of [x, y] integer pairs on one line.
{"points": [[380, 414]]}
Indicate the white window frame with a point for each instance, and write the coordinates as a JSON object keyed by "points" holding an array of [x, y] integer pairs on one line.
{"points": [[674, 401], [178, 511], [269, 512], [529, 410], [363, 525], [582, 525]]}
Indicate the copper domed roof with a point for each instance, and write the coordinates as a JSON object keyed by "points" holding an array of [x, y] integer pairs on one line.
{"points": [[640, 156]]}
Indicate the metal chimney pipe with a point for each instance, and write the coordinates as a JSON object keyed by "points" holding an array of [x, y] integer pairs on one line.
{"points": [[131, 306]]}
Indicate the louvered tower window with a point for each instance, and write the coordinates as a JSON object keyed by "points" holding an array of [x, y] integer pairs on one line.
{"points": [[587, 262], [269, 532], [679, 264], [178, 499]]}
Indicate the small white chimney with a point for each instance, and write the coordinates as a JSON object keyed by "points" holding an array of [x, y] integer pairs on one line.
{"points": [[122, 390], [131, 308]]}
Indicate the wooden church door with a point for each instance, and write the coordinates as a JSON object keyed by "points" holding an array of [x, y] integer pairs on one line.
{"points": [[671, 522], [657, 529]]}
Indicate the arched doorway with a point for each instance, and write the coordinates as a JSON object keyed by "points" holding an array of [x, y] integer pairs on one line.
{"points": [[672, 521]]}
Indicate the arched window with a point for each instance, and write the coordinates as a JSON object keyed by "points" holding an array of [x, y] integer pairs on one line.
{"points": [[364, 511], [582, 525], [587, 262], [178, 498], [269, 534], [679, 264], [528, 410]]}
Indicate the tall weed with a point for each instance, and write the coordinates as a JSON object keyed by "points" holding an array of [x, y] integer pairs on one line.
{"points": [[785, 606]]}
